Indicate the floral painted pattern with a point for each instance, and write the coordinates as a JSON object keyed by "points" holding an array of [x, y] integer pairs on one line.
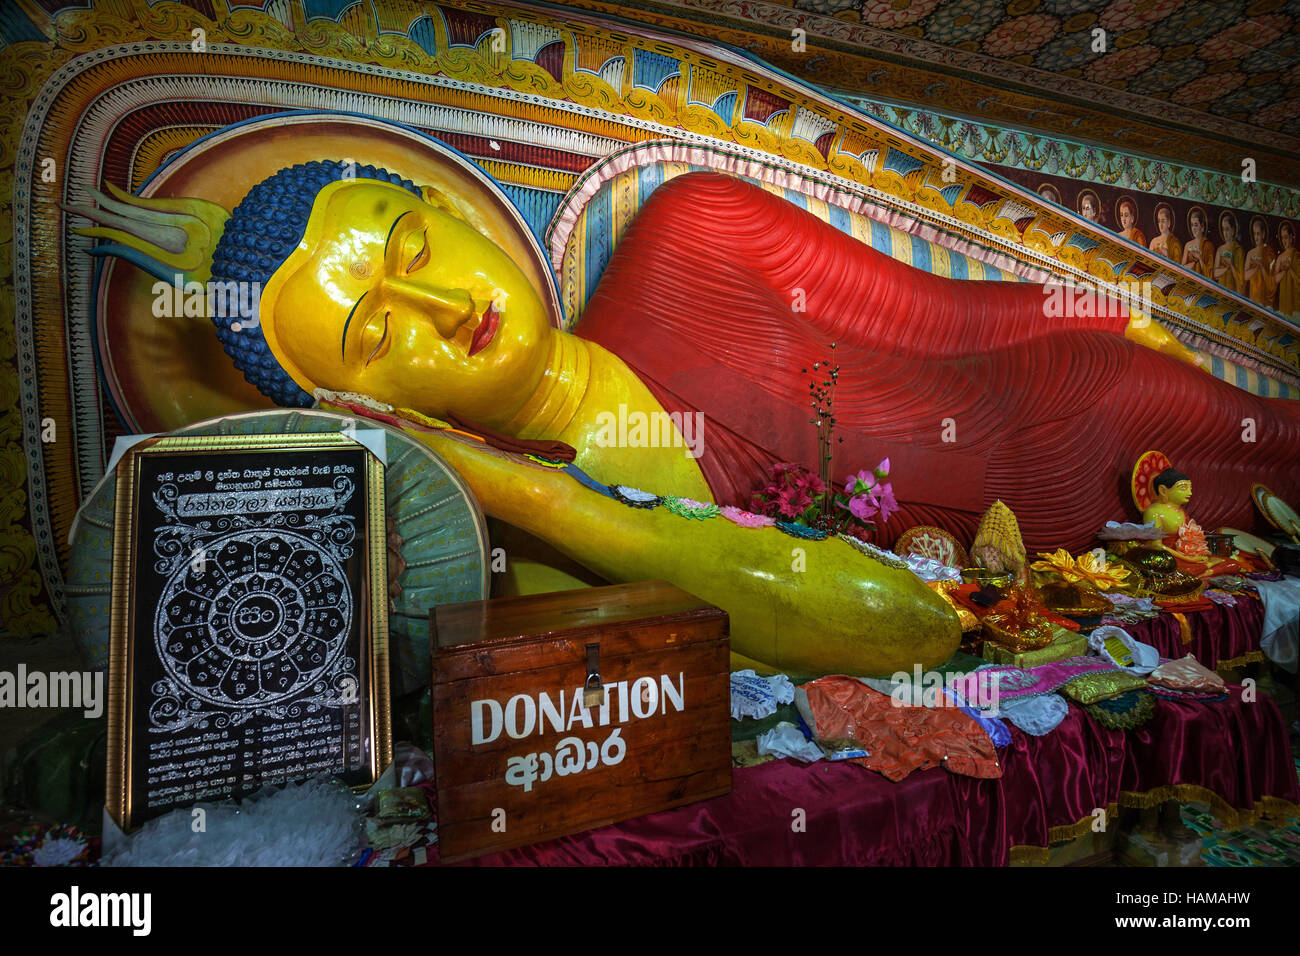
{"points": [[1248, 99], [1196, 21], [1208, 88], [962, 21], [1021, 35], [1242, 38], [1068, 51], [1121, 64], [891, 14], [1278, 113], [1124, 15], [831, 7], [1154, 48], [1164, 77]]}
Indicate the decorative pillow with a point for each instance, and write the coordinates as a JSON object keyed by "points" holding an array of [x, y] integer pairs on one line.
{"points": [[1090, 688], [1128, 711], [1187, 673]]}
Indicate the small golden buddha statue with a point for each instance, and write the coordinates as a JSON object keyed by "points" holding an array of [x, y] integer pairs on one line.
{"points": [[1183, 538]]}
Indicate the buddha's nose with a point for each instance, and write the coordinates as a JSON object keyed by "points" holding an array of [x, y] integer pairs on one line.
{"points": [[449, 308]]}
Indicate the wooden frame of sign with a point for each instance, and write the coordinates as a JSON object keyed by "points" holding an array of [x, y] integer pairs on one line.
{"points": [[249, 639]]}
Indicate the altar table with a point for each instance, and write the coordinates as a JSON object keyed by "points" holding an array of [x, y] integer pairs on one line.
{"points": [[1221, 636], [1232, 754]]}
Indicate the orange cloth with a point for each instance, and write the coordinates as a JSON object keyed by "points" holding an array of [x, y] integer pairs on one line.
{"points": [[963, 596], [899, 739]]}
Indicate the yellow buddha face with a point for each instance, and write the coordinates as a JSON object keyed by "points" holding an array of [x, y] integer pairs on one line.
{"points": [[394, 298], [1178, 495]]}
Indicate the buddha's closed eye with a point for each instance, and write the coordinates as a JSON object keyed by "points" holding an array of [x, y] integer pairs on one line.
{"points": [[376, 331], [415, 251]]}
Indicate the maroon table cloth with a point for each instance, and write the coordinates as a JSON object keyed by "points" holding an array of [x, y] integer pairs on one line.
{"points": [[1233, 753], [1221, 635]]}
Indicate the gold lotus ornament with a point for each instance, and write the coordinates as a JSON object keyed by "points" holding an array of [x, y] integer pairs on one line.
{"points": [[1090, 569]]}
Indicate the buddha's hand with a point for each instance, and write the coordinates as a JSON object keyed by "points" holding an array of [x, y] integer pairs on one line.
{"points": [[807, 607], [181, 234]]}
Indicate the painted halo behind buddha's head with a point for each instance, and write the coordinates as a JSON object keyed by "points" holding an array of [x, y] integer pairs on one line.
{"points": [[372, 285]]}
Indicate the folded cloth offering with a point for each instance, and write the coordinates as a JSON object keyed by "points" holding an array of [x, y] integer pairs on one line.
{"points": [[897, 739], [758, 697], [1187, 673], [1037, 716]]}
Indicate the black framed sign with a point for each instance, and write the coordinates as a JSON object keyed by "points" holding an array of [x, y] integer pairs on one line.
{"points": [[250, 632]]}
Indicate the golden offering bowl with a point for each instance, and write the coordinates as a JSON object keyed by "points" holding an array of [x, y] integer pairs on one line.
{"points": [[1005, 631], [1072, 600], [1149, 560], [1174, 587], [984, 577]]}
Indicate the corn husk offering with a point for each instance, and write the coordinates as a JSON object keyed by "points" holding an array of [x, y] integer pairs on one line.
{"points": [[998, 545]]}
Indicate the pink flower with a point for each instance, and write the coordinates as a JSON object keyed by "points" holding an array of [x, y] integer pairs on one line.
{"points": [[864, 478], [792, 502], [746, 519], [863, 507], [888, 505], [882, 469]]}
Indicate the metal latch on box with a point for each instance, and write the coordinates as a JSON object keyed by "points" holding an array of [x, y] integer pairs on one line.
{"points": [[593, 691]]}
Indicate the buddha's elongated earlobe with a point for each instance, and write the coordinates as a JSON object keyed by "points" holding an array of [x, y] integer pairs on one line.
{"points": [[165, 237]]}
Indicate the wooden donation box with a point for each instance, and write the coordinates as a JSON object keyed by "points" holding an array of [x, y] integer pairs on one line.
{"points": [[558, 713]]}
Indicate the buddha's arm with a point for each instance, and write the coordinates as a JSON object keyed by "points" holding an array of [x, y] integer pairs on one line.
{"points": [[842, 612]]}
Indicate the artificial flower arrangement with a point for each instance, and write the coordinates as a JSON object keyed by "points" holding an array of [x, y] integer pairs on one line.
{"points": [[1072, 585], [794, 494], [1090, 569]]}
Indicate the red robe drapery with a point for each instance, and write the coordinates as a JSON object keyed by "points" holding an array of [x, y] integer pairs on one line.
{"points": [[720, 293]]}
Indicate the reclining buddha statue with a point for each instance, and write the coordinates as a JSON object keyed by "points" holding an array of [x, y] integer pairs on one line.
{"points": [[715, 300]]}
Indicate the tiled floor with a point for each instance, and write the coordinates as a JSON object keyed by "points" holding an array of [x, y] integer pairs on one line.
{"points": [[1248, 846]]}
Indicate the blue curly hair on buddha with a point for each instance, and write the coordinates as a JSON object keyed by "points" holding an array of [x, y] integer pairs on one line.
{"points": [[261, 233]]}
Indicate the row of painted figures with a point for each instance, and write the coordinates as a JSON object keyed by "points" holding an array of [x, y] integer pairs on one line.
{"points": [[1262, 273]]}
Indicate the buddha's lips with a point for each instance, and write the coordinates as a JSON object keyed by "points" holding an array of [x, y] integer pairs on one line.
{"points": [[487, 328]]}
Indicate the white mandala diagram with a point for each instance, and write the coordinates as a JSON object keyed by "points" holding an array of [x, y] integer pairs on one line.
{"points": [[262, 619]]}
